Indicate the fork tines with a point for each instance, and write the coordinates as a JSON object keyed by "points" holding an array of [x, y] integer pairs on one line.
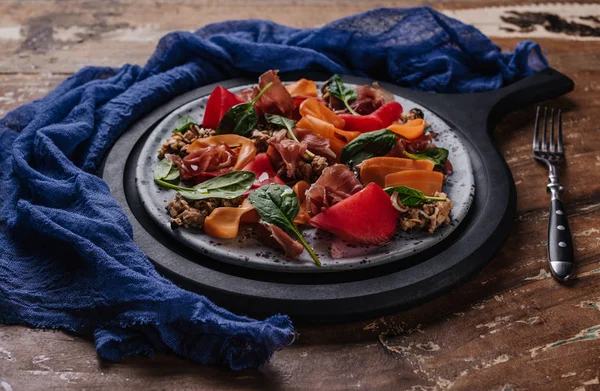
{"points": [[549, 143]]}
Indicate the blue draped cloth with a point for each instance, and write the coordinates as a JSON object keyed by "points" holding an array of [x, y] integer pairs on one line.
{"points": [[67, 256]]}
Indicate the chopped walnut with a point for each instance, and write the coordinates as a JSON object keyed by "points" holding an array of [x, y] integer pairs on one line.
{"points": [[311, 171], [177, 143], [177, 206], [430, 216], [182, 215], [190, 213], [318, 164], [172, 145], [261, 139], [192, 218], [304, 171], [232, 203], [203, 132]]}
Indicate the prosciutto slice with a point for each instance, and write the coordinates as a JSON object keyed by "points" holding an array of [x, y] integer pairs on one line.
{"points": [[335, 184], [417, 145], [289, 151], [273, 236], [315, 143], [370, 98], [204, 163], [277, 99], [412, 146]]}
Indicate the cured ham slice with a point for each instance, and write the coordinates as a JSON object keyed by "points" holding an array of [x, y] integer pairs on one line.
{"points": [[315, 143], [273, 236], [335, 184], [289, 151], [370, 98], [412, 146], [213, 156], [277, 99], [204, 163]]}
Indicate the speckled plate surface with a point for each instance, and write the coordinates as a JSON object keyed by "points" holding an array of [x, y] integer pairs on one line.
{"points": [[247, 251]]}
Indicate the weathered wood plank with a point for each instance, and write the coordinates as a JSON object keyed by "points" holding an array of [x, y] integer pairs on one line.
{"points": [[18, 89], [64, 36], [511, 325], [510, 328]]}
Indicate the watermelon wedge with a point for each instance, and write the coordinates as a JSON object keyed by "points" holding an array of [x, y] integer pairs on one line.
{"points": [[366, 217]]}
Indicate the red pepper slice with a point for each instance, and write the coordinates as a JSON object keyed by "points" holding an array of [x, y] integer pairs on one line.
{"points": [[366, 217], [219, 101], [379, 119], [263, 169]]}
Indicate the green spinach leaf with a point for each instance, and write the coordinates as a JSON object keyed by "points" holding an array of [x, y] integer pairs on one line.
{"points": [[162, 169], [436, 155], [278, 204], [183, 124], [226, 186], [343, 93], [242, 118], [282, 122], [368, 145], [411, 197], [173, 174], [166, 170]]}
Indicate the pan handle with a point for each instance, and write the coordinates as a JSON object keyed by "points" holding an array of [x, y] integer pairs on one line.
{"points": [[475, 111], [546, 84]]}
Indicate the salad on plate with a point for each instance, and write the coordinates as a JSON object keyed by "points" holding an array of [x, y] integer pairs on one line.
{"points": [[345, 160]]}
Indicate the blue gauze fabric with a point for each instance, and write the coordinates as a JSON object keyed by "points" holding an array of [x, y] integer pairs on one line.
{"points": [[67, 257]]}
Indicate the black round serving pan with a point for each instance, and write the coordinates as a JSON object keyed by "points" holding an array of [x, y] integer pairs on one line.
{"points": [[348, 295]]}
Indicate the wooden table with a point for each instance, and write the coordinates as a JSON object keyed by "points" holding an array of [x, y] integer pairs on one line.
{"points": [[511, 328]]}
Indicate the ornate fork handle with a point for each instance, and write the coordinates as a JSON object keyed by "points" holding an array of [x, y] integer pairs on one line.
{"points": [[560, 243]]}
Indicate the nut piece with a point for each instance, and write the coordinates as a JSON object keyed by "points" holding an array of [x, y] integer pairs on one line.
{"points": [[430, 216], [319, 163], [187, 214], [311, 171], [261, 139], [177, 143]]}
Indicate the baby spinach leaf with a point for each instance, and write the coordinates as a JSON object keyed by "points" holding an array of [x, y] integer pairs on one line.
{"points": [[411, 197], [241, 119], [226, 186], [368, 145], [183, 124], [173, 173], [281, 122], [436, 155], [278, 204], [166, 170], [343, 93], [162, 169]]}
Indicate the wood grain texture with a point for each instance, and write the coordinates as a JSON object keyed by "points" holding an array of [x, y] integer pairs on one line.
{"points": [[510, 328]]}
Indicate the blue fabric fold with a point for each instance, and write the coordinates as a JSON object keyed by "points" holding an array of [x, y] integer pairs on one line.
{"points": [[67, 256]]}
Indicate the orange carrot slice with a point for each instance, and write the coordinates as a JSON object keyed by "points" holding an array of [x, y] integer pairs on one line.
{"points": [[337, 138], [300, 189], [224, 222], [376, 169], [303, 87], [410, 130], [317, 109], [426, 181], [317, 118], [246, 151]]}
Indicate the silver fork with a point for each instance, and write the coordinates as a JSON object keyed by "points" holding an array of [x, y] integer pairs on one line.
{"points": [[550, 150]]}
